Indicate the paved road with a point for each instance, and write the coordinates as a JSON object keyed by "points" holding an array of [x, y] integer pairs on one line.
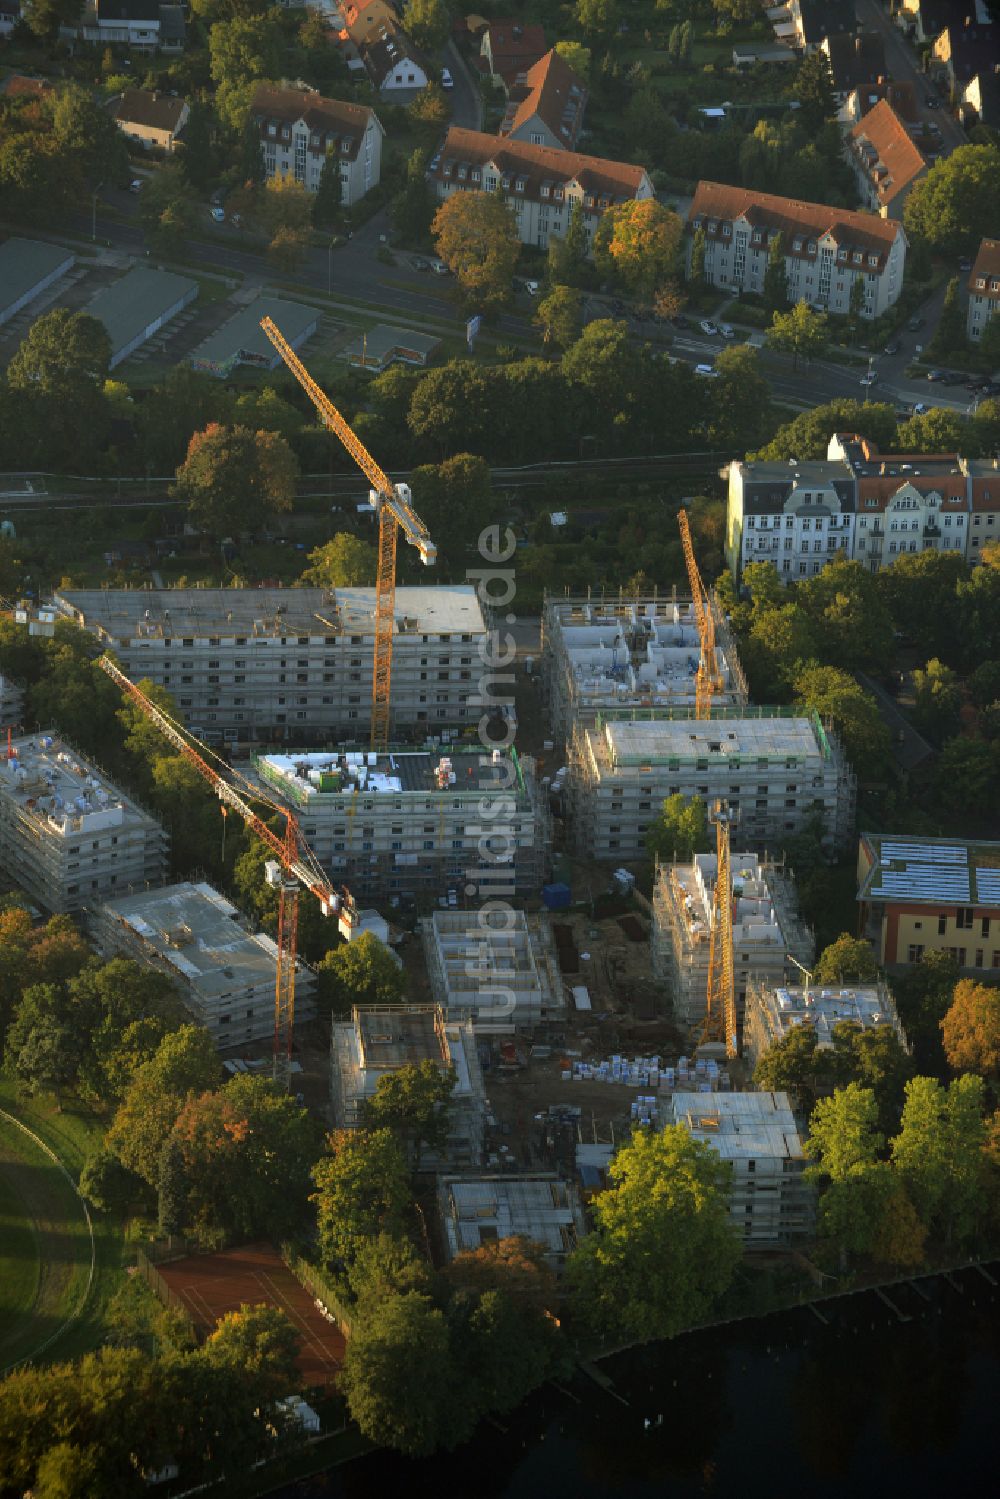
{"points": [[902, 66], [466, 100]]}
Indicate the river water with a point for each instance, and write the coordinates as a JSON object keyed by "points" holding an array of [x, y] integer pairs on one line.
{"points": [[868, 1405]]}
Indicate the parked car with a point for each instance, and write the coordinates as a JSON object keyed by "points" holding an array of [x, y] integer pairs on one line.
{"points": [[893, 347], [727, 331], [935, 375], [417, 263], [870, 379], [932, 101], [708, 327], [680, 321], [915, 324], [532, 288], [219, 215], [920, 408], [707, 371], [439, 268], [135, 186], [446, 79]]}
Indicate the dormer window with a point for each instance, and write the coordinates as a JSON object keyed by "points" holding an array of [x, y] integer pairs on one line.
{"points": [[812, 247], [345, 146], [980, 283], [446, 169], [314, 141], [519, 185], [589, 200], [286, 132], [544, 190], [842, 256], [873, 261], [711, 226], [463, 172], [477, 175], [605, 202], [995, 284], [727, 230], [272, 131], [756, 237], [558, 194], [857, 258], [505, 183], [796, 244]]}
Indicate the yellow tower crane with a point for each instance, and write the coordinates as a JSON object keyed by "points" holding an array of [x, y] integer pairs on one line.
{"points": [[719, 1024], [708, 680], [392, 503], [293, 863]]}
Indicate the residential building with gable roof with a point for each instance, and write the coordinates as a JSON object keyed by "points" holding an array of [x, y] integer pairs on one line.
{"points": [[885, 159], [130, 23], [984, 506], [298, 129], [854, 60], [984, 289], [902, 97], [807, 23], [509, 48], [539, 183], [151, 118], [826, 249], [548, 110]]}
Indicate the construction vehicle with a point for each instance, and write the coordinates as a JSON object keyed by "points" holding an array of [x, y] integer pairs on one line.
{"points": [[392, 505], [294, 865], [708, 681], [719, 1025]]}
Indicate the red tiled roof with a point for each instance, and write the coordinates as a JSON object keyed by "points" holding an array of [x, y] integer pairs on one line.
{"points": [[331, 119], [148, 107], [951, 487], [511, 38], [555, 94], [715, 204], [987, 269], [986, 492], [17, 86], [887, 155], [618, 181]]}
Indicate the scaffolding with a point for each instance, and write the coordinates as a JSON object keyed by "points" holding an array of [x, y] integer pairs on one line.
{"points": [[500, 968]]}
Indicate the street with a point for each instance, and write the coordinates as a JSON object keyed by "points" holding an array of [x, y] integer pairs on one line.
{"points": [[902, 68]]}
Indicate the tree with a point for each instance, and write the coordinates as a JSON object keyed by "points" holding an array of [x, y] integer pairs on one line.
{"points": [[605, 366], [63, 363], [938, 698], [596, 18], [577, 56], [800, 332], [948, 208], [258, 1340], [848, 960], [397, 1377], [414, 1103], [342, 562], [362, 1190], [477, 238], [920, 590], [171, 1188], [454, 499], [233, 479], [638, 242], [185, 402], [935, 431], [567, 257], [412, 209], [789, 1066], [560, 316], [699, 245], [814, 89], [197, 160], [808, 435], [287, 249], [680, 831], [168, 207], [734, 12], [285, 204], [513, 1265], [363, 972], [241, 51], [740, 401], [949, 335], [843, 1132], [430, 107], [834, 695], [105, 1183], [966, 775], [428, 22], [663, 1248], [781, 642], [971, 1029], [252, 172], [939, 1154], [263, 410], [87, 137], [42, 1058], [44, 17], [775, 277], [923, 997], [184, 1062]]}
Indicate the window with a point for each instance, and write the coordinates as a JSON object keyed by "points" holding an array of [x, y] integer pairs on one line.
{"points": [[942, 925], [986, 926], [963, 918], [914, 952]]}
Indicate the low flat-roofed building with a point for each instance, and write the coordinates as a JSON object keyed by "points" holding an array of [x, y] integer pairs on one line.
{"points": [[378, 1040], [920, 895], [776, 771], [68, 836], [225, 973], [242, 340], [27, 268], [772, 1011], [498, 966], [292, 663], [601, 653], [770, 1202], [766, 927], [138, 306], [485, 1209], [414, 821], [384, 345]]}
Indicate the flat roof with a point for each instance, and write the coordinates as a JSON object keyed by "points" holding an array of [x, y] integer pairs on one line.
{"points": [[306, 775], [380, 1039], [123, 613], [26, 262], [931, 870], [52, 781], [481, 1210], [243, 335], [384, 338], [755, 917], [789, 1007], [657, 741], [740, 1126], [128, 306], [196, 931]]}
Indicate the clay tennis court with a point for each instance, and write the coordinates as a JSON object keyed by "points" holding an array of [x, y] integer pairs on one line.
{"points": [[210, 1285]]}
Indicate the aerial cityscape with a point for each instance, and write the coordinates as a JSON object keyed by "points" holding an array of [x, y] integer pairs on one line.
{"points": [[499, 747]]}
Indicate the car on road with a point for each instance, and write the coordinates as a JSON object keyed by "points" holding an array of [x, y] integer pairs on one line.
{"points": [[727, 331], [893, 347], [932, 101], [417, 263], [439, 268], [446, 79], [532, 288], [870, 379], [219, 215], [708, 327], [135, 186], [935, 375], [706, 370], [915, 324], [920, 408]]}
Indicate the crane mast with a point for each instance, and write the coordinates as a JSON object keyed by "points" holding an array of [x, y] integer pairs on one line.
{"points": [[719, 1024], [392, 503], [708, 680], [293, 864]]}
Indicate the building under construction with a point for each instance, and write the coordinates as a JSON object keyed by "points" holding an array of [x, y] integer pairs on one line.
{"points": [[292, 664], [777, 771], [11, 704], [409, 822], [480, 1210], [68, 836], [377, 1041], [224, 973], [604, 653], [498, 966], [766, 927], [774, 1010]]}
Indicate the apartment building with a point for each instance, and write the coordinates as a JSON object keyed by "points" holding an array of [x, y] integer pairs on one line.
{"points": [[224, 972], [984, 289], [886, 160], [776, 771], [414, 823], [300, 130], [498, 967], [68, 836], [603, 653], [547, 109], [540, 184], [292, 664], [117, 23], [774, 1010], [770, 1201], [860, 504], [509, 48], [826, 249], [479, 1210], [379, 1040], [919, 895], [766, 928], [857, 60]]}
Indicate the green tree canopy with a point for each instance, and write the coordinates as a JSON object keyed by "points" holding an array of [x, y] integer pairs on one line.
{"points": [[560, 316], [638, 242], [342, 562], [362, 1190], [939, 1153], [362, 972], [849, 959], [681, 829], [853, 712], [428, 22], [949, 208], [800, 332], [808, 434], [184, 1062], [233, 479], [62, 365], [477, 238], [414, 1102]]}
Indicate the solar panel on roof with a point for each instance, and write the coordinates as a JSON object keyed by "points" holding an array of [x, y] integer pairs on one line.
{"points": [[988, 885], [922, 853]]}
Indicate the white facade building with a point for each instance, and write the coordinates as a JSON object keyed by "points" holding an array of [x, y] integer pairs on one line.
{"points": [[499, 967], [300, 130], [773, 1010]]}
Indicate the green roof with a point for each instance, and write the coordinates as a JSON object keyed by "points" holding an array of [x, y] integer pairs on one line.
{"points": [[243, 335], [129, 305], [25, 262]]}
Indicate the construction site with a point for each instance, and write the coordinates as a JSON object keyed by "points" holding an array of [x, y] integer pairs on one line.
{"points": [[773, 1010], [500, 967]]}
